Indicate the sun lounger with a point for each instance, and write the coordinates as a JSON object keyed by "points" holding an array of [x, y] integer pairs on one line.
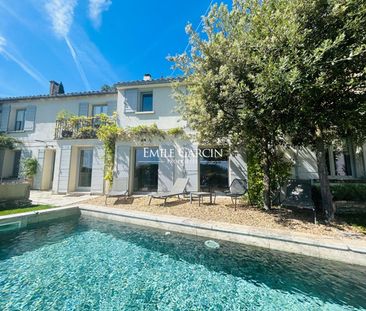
{"points": [[178, 189], [117, 186]]}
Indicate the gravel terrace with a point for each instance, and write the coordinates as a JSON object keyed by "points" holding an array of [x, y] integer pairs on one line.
{"points": [[223, 211]]}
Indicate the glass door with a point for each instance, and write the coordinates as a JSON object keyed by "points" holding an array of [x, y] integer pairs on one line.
{"points": [[85, 169], [214, 169], [146, 169]]}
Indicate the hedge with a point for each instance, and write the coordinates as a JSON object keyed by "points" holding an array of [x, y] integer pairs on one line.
{"points": [[343, 192]]}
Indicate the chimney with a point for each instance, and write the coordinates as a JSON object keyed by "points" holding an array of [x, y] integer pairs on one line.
{"points": [[147, 77], [54, 88]]}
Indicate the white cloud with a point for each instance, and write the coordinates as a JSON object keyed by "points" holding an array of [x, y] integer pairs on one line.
{"points": [[96, 8], [2, 43], [21, 63], [61, 13]]}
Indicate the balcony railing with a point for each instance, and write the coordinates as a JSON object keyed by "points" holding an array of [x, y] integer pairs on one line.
{"points": [[78, 128]]}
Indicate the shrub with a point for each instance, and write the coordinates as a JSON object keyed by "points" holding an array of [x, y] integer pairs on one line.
{"points": [[343, 192], [30, 166], [86, 132]]}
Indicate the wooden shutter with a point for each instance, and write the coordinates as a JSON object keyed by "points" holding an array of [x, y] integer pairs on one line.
{"points": [[130, 100], [97, 179], [238, 167], [83, 109], [191, 166], [166, 168], [4, 118], [30, 118], [64, 171], [112, 107], [123, 163]]}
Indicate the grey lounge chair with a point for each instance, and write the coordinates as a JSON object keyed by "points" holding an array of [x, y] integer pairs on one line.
{"points": [[298, 196], [238, 188], [178, 189], [118, 184]]}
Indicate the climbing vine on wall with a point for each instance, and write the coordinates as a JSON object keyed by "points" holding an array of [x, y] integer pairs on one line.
{"points": [[110, 133]]}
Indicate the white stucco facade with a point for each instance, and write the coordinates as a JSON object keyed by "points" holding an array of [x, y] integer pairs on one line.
{"points": [[60, 159]]}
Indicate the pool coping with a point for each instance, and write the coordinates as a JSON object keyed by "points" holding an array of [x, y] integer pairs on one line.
{"points": [[22, 220], [348, 251]]}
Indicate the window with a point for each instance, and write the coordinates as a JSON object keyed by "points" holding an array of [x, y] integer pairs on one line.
{"points": [[146, 102], [99, 109], [19, 120], [339, 160], [214, 169], [146, 169]]}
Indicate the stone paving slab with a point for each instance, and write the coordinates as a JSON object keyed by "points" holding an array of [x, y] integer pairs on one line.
{"points": [[47, 198]]}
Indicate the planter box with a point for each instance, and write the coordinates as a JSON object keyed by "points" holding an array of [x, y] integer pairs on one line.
{"points": [[15, 194], [350, 207]]}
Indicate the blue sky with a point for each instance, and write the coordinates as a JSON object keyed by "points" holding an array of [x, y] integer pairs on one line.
{"points": [[88, 43]]}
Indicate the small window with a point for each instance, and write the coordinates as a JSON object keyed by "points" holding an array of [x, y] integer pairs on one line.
{"points": [[19, 120], [146, 102], [99, 109]]}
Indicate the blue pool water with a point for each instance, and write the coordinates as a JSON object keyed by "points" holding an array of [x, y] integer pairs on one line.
{"points": [[88, 264]]}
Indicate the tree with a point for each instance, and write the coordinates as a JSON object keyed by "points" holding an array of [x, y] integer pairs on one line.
{"points": [[234, 79], [7, 142], [108, 88], [327, 100], [61, 89]]}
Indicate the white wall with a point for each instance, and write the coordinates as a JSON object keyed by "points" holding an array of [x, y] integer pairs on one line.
{"points": [[164, 115], [46, 114]]}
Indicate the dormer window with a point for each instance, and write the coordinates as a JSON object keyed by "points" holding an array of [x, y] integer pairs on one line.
{"points": [[146, 102]]}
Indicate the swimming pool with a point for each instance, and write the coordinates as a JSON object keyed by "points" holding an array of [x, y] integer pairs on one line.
{"points": [[88, 264]]}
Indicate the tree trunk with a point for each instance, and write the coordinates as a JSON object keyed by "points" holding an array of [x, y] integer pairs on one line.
{"points": [[267, 202], [327, 198]]}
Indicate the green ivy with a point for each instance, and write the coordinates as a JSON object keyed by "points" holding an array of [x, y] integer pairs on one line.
{"points": [[145, 132]]}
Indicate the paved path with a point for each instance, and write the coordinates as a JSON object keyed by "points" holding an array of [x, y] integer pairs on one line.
{"points": [[46, 197]]}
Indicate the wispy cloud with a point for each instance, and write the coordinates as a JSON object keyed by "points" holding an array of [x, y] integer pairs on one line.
{"points": [[77, 63], [96, 8], [61, 14], [21, 63]]}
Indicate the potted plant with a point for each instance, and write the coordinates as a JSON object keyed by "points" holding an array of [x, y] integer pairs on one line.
{"points": [[30, 166]]}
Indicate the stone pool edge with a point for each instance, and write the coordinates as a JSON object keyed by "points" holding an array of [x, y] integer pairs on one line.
{"points": [[22, 220], [351, 252]]}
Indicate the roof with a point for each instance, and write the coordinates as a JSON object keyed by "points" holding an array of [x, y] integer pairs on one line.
{"points": [[73, 94], [149, 82], [92, 93]]}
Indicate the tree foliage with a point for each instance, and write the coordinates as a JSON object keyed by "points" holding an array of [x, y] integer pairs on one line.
{"points": [[61, 89], [234, 77], [7, 142], [108, 88], [265, 71], [327, 100]]}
